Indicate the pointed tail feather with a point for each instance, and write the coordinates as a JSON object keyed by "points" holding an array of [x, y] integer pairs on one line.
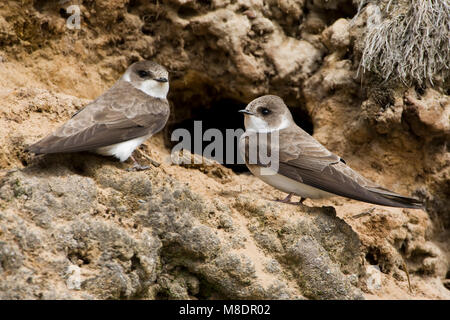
{"points": [[396, 200]]}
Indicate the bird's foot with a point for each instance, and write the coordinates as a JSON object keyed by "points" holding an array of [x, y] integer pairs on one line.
{"points": [[285, 200], [137, 167]]}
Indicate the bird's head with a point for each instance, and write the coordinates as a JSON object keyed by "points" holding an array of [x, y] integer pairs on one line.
{"points": [[149, 77], [267, 113]]}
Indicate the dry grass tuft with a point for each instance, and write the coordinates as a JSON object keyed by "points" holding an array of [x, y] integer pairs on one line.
{"points": [[407, 40]]}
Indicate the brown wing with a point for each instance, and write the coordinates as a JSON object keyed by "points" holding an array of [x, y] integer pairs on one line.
{"points": [[304, 159], [298, 148], [120, 114]]}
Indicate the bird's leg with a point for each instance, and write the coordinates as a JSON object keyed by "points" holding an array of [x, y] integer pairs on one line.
{"points": [[287, 199], [153, 162], [301, 200], [137, 166]]}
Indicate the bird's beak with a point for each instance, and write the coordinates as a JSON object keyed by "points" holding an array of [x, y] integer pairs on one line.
{"points": [[161, 79], [246, 112]]}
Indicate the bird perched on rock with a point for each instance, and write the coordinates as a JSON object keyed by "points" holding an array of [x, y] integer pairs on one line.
{"points": [[304, 167], [118, 121]]}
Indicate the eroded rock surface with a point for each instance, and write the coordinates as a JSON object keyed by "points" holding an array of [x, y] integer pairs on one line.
{"points": [[81, 227], [107, 233]]}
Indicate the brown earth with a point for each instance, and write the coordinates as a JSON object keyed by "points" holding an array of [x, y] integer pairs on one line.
{"points": [[80, 226]]}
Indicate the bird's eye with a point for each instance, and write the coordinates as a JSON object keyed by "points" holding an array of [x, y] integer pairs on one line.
{"points": [[265, 111], [143, 73]]}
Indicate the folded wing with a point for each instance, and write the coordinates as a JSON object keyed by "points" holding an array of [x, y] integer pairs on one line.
{"points": [[304, 159], [120, 114]]}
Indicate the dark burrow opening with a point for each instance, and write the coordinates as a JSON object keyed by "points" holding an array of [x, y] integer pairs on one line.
{"points": [[371, 258], [221, 114]]}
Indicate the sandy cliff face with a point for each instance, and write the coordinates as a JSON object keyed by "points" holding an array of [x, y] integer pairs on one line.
{"points": [[80, 226]]}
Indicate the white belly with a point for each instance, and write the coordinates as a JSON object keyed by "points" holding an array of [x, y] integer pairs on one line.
{"points": [[122, 150], [289, 185]]}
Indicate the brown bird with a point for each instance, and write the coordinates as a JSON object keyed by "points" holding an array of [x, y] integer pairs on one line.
{"points": [[118, 121], [304, 167]]}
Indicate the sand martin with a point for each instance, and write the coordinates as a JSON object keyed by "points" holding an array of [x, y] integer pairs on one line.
{"points": [[305, 167], [118, 121]]}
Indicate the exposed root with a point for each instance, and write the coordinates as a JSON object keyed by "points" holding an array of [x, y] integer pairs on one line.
{"points": [[407, 40]]}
